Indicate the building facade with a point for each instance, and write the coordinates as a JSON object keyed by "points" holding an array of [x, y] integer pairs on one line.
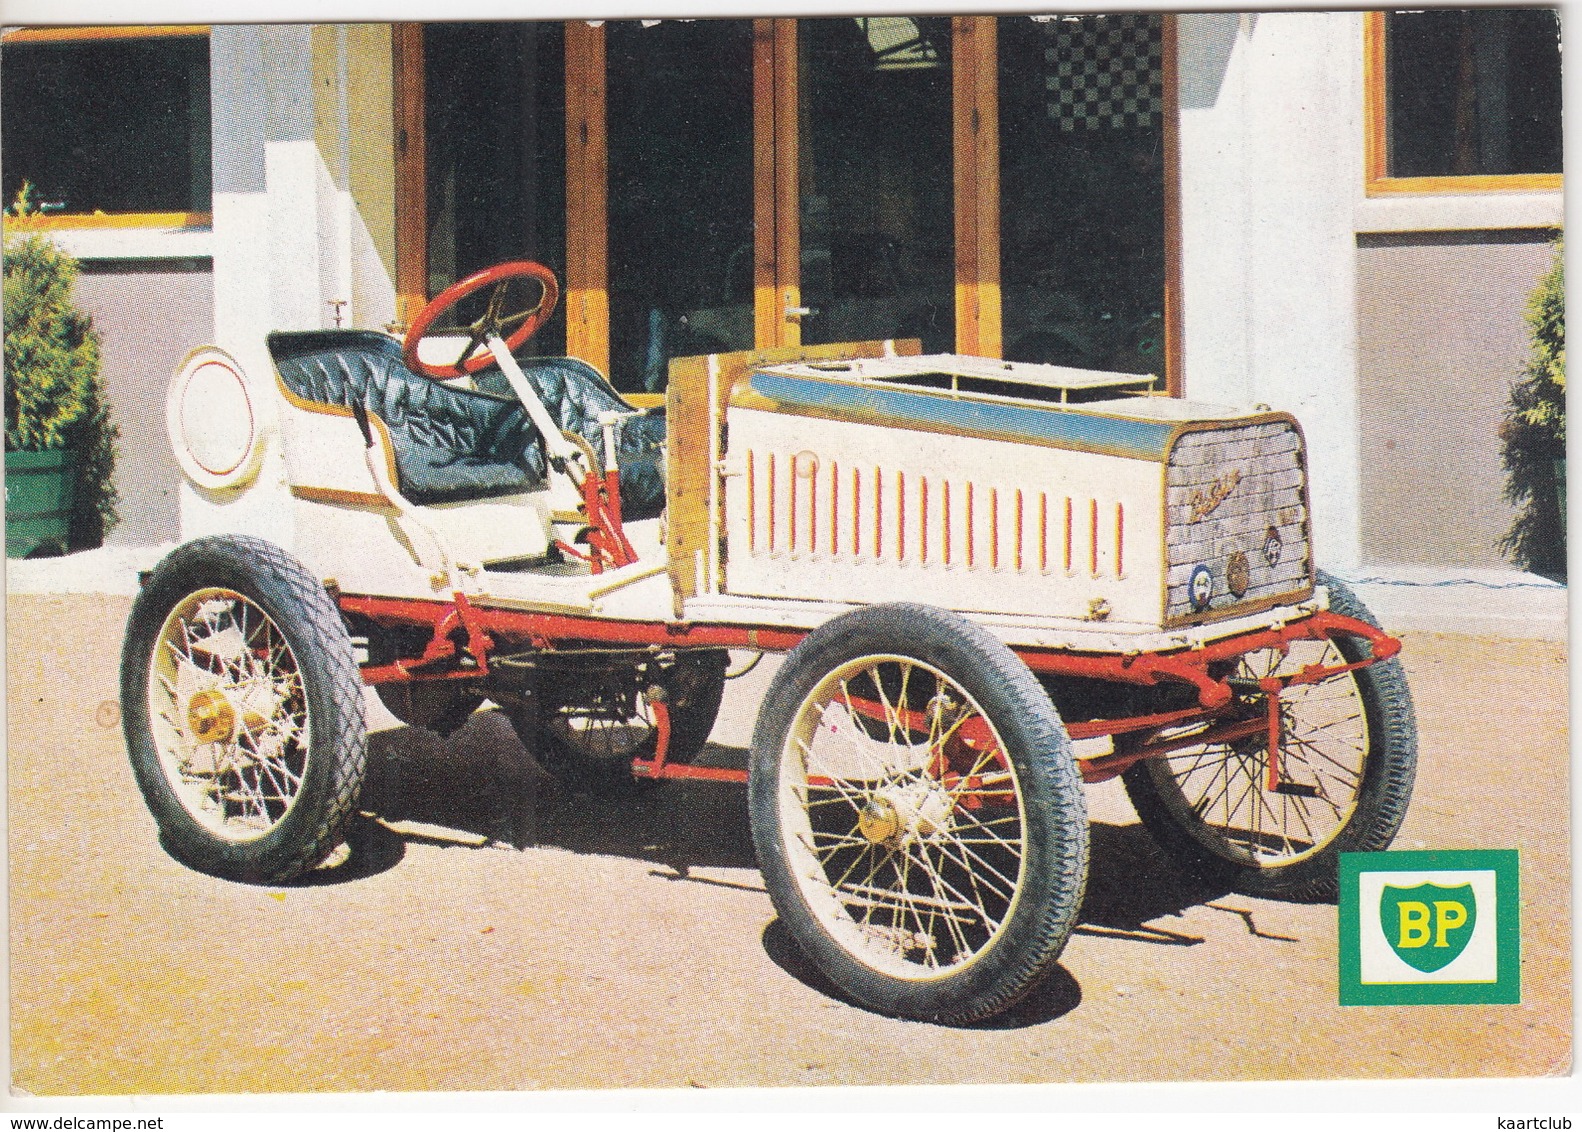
{"points": [[1336, 213]]}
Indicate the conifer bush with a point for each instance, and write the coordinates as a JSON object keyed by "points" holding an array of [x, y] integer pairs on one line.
{"points": [[1534, 433], [54, 396]]}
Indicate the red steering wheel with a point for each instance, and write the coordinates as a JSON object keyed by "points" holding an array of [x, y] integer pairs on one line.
{"points": [[514, 328]]}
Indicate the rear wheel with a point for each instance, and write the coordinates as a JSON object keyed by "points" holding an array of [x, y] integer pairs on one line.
{"points": [[586, 727], [1348, 758], [243, 710], [917, 814]]}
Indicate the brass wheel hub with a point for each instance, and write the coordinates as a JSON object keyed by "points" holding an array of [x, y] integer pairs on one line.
{"points": [[919, 810], [879, 822], [210, 717]]}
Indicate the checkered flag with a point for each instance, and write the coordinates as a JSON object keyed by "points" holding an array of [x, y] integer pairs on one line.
{"points": [[1104, 71]]}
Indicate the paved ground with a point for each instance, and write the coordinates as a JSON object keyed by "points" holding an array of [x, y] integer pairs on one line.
{"points": [[491, 932]]}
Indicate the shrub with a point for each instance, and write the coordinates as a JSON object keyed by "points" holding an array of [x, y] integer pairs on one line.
{"points": [[1534, 432], [54, 397]]}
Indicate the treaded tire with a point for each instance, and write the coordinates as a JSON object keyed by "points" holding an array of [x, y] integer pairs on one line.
{"points": [[1380, 802], [694, 706], [309, 684], [1011, 940]]}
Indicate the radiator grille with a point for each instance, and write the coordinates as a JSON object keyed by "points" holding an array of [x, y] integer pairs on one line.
{"points": [[1236, 504]]}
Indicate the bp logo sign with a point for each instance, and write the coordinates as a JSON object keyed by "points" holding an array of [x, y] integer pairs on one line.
{"points": [[1426, 927]]}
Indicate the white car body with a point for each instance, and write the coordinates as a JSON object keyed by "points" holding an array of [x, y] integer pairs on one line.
{"points": [[1059, 507]]}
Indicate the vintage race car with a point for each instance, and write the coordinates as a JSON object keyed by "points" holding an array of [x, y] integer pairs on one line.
{"points": [[996, 582]]}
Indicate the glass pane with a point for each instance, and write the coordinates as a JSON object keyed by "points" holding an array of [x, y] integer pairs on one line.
{"points": [[878, 226], [108, 126], [680, 127], [495, 119], [1082, 248], [1473, 92]]}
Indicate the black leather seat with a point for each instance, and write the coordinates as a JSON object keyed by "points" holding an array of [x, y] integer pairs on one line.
{"points": [[452, 444]]}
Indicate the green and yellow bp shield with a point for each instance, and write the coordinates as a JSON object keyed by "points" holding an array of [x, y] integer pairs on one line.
{"points": [[1428, 925]]}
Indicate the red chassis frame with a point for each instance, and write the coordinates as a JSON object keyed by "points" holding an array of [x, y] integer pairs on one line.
{"points": [[463, 638]]}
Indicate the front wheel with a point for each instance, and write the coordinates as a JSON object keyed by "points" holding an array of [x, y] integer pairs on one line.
{"points": [[1348, 759], [917, 814], [243, 710]]}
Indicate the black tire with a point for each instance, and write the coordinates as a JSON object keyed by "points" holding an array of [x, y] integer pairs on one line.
{"points": [[243, 710], [585, 729], [982, 857], [1358, 808]]}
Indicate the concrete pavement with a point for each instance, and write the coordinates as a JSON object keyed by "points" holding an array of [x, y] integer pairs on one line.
{"points": [[487, 930]]}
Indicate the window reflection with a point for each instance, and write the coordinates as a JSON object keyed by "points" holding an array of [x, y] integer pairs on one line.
{"points": [[680, 187], [494, 102], [1082, 191], [875, 163], [1473, 93]]}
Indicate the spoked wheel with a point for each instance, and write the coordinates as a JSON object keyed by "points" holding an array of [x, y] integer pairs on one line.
{"points": [[1347, 760], [917, 814], [586, 728], [243, 710]]}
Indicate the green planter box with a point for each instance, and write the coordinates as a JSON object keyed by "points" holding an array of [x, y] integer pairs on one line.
{"points": [[39, 490]]}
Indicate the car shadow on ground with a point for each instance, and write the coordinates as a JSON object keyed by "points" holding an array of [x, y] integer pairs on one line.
{"points": [[481, 786]]}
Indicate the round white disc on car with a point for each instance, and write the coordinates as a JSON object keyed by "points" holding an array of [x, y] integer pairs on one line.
{"points": [[213, 414]]}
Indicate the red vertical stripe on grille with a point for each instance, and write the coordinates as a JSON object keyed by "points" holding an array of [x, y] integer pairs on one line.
{"points": [[900, 516], [1068, 534], [1043, 531], [878, 513], [970, 545], [856, 512], [994, 528], [791, 474], [1120, 540], [834, 508], [1018, 529], [752, 505], [945, 521], [1093, 537]]}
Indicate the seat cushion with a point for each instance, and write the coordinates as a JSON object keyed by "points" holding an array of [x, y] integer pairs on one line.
{"points": [[451, 444], [575, 393]]}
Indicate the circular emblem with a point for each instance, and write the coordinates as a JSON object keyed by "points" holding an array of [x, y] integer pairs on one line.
{"points": [[1201, 587], [1238, 574], [1272, 548]]}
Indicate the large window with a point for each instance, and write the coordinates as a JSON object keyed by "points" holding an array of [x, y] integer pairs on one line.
{"points": [[106, 124], [716, 185], [1464, 99], [680, 193], [496, 152], [875, 180], [1082, 184]]}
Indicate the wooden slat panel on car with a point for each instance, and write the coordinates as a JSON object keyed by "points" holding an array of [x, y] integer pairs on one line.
{"points": [[688, 414]]}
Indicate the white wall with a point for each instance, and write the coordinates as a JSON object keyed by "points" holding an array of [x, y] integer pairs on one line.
{"points": [[1271, 167], [289, 235]]}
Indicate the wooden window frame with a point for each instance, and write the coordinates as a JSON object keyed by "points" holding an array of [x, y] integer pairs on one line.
{"points": [[777, 228], [1376, 137], [587, 196], [411, 181], [78, 221], [976, 130], [975, 58]]}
